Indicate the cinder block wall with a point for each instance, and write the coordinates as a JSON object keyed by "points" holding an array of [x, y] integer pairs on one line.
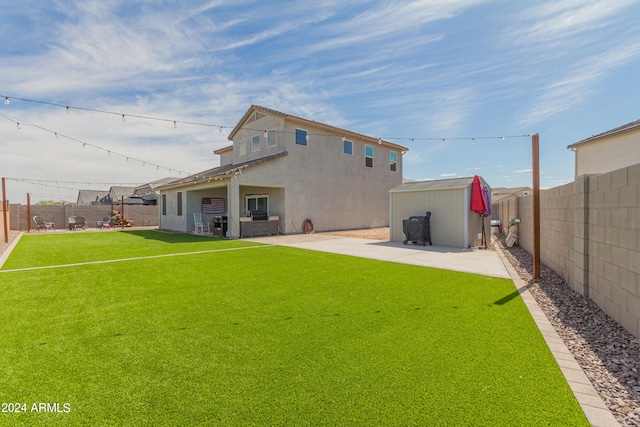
{"points": [[590, 235], [59, 215]]}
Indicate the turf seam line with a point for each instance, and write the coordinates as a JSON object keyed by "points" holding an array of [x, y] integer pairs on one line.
{"points": [[108, 261]]}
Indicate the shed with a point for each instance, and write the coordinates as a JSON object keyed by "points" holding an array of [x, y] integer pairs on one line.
{"points": [[452, 222]]}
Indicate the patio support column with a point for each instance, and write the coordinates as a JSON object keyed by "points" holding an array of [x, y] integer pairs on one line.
{"points": [[233, 208]]}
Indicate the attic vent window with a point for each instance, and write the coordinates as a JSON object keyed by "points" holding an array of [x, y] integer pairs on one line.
{"points": [[255, 116]]}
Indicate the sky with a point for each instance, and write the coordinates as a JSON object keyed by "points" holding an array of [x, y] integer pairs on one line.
{"points": [[445, 78]]}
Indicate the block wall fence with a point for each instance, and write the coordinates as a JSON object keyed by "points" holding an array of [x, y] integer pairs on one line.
{"points": [[141, 215], [589, 235]]}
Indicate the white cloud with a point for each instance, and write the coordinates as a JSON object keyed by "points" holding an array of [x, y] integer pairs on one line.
{"points": [[448, 174]]}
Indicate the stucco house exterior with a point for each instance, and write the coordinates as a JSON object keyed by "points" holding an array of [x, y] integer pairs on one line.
{"points": [[294, 169], [608, 151]]}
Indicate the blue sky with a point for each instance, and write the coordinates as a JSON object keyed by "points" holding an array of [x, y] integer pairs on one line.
{"points": [[400, 70]]}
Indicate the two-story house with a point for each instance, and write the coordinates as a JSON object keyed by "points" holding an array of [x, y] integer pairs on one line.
{"points": [[293, 169]]}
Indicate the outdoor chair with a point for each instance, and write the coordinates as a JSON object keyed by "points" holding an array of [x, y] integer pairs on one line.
{"points": [[41, 224], [80, 223], [105, 224], [199, 227]]}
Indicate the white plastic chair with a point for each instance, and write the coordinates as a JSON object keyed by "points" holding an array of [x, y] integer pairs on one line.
{"points": [[200, 227]]}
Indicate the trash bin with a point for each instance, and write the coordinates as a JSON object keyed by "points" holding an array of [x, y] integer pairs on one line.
{"points": [[416, 229]]}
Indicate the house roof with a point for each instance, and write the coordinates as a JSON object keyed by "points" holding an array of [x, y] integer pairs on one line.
{"points": [[441, 184], [620, 129], [120, 191], [88, 196], [154, 184], [256, 110], [221, 172]]}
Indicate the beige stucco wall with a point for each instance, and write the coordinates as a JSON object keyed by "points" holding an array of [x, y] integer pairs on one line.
{"points": [[608, 154], [317, 182]]}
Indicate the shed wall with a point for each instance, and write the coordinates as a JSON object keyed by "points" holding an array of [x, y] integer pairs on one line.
{"points": [[448, 214]]}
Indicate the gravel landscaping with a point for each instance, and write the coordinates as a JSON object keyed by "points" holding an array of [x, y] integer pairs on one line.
{"points": [[608, 354]]}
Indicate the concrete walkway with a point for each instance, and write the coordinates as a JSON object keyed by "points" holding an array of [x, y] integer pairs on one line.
{"points": [[480, 261], [488, 262]]}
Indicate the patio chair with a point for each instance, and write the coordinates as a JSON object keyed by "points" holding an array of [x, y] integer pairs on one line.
{"points": [[41, 224], [80, 223], [199, 226], [105, 224]]}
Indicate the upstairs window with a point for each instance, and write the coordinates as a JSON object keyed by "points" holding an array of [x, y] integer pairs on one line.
{"points": [[255, 143], [393, 160], [302, 137], [179, 200], [347, 147], [368, 156], [271, 138], [242, 148]]}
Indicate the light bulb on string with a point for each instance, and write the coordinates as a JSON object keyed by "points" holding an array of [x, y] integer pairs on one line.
{"points": [[6, 100], [18, 125], [66, 110], [123, 119], [175, 125]]}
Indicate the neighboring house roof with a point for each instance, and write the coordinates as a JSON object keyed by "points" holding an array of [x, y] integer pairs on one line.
{"points": [[255, 112], [620, 129], [221, 172], [441, 184], [86, 197], [119, 191]]}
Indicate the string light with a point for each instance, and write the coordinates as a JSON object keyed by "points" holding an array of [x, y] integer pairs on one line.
{"points": [[175, 125], [123, 119], [84, 144], [220, 127], [6, 100]]}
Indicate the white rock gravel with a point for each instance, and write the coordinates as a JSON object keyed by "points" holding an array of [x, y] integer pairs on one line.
{"points": [[607, 353]]}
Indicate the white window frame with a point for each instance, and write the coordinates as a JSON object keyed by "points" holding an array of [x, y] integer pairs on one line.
{"points": [[254, 146], [269, 138], [306, 144], [366, 156], [254, 196], [393, 163], [343, 147], [242, 147]]}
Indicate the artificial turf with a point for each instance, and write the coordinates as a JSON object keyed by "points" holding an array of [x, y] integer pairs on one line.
{"points": [[264, 336]]}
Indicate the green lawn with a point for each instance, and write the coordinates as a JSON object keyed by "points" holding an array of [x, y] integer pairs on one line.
{"points": [[257, 335]]}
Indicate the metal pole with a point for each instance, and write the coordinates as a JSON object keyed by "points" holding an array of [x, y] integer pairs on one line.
{"points": [[5, 206], [29, 213], [122, 211], [535, 151]]}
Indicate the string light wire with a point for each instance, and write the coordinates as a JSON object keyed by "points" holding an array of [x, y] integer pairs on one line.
{"points": [[175, 122], [84, 144]]}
